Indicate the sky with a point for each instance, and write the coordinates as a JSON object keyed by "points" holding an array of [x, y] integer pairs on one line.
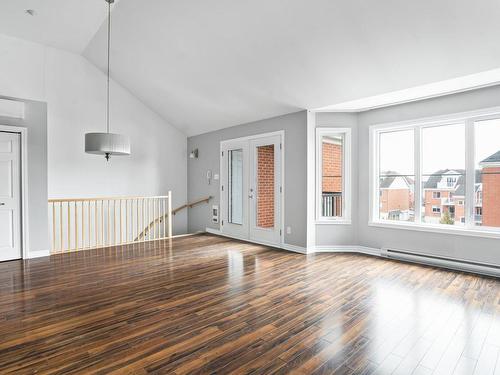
{"points": [[443, 147]]}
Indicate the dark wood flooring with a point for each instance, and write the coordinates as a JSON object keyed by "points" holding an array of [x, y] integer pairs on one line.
{"points": [[205, 304]]}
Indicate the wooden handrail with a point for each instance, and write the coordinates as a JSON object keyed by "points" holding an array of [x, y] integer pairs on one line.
{"points": [[57, 200], [160, 219], [192, 204]]}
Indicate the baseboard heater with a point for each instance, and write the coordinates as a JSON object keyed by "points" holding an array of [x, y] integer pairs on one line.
{"points": [[433, 260]]}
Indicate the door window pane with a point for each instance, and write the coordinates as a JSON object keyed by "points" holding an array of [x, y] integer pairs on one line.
{"points": [[265, 186], [332, 167], [487, 173], [397, 176], [235, 191], [443, 175]]}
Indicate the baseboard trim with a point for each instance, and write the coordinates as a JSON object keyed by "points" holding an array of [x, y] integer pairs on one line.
{"points": [[347, 249], [284, 246], [38, 254]]}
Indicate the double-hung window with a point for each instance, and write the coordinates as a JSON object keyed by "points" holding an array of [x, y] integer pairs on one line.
{"points": [[441, 173], [333, 175]]}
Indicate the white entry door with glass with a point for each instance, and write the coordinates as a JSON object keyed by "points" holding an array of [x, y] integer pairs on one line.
{"points": [[251, 188], [10, 207]]}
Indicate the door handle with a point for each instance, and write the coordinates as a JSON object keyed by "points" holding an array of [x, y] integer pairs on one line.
{"points": [[2, 204]]}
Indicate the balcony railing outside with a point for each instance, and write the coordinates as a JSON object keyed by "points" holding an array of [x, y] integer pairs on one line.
{"points": [[87, 223], [332, 204]]}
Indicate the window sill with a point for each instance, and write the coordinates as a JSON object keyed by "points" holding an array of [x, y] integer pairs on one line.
{"points": [[333, 222], [435, 229]]}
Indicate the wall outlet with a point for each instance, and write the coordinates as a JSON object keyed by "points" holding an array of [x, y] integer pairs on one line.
{"points": [[288, 230]]}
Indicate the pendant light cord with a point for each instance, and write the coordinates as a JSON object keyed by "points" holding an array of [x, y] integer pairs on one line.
{"points": [[109, 42]]}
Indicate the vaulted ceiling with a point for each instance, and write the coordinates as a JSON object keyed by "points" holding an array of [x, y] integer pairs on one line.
{"points": [[208, 64]]}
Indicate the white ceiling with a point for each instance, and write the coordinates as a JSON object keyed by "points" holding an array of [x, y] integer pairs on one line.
{"points": [[66, 24], [209, 64]]}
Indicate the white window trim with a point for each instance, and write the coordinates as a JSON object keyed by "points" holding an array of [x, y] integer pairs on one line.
{"points": [[466, 118], [346, 181]]}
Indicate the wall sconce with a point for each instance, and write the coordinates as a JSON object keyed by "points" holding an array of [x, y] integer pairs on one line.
{"points": [[194, 154]]}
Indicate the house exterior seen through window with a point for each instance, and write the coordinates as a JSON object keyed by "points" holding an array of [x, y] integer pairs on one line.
{"points": [[455, 173]]}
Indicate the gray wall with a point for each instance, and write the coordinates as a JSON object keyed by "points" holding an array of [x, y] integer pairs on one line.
{"points": [[458, 246], [341, 234], [36, 122], [208, 145]]}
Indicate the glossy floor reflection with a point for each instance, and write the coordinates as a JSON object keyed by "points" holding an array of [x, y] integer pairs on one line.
{"points": [[205, 304]]}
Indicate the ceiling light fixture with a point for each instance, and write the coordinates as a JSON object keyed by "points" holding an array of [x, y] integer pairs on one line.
{"points": [[107, 144]]}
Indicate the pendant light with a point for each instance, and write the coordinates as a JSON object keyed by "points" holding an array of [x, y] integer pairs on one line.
{"points": [[107, 144]]}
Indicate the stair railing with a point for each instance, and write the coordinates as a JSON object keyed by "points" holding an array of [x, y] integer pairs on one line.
{"points": [[88, 223]]}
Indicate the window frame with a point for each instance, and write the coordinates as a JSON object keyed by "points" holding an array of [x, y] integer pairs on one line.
{"points": [[346, 175], [468, 119]]}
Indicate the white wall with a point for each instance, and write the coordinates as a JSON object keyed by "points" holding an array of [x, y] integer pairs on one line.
{"points": [[75, 90]]}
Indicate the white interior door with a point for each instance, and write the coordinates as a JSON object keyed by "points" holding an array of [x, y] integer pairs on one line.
{"points": [[10, 203], [251, 188]]}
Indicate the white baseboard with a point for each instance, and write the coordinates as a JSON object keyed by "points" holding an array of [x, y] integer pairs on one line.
{"points": [[38, 254], [284, 246], [347, 249]]}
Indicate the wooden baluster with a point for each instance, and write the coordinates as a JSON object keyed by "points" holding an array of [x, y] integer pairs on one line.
{"points": [[61, 245], [149, 219], [154, 218], [76, 225], [114, 221], [83, 225], [102, 223], [108, 235], [89, 221], [169, 213], [143, 220], [69, 227], [53, 226], [121, 224], [96, 224], [126, 221], [164, 216], [137, 218]]}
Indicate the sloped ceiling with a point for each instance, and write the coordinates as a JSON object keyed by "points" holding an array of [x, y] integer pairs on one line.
{"points": [[209, 64], [65, 24]]}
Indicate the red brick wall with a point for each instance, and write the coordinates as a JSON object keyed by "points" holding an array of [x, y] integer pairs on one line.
{"points": [[265, 186], [332, 168], [396, 199], [491, 197], [429, 202]]}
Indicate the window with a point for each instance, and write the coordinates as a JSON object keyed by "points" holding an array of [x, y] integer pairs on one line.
{"points": [[487, 172], [450, 166], [235, 191], [333, 174], [443, 167], [396, 176]]}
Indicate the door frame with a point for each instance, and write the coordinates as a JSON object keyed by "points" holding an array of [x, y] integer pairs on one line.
{"points": [[23, 133], [222, 202]]}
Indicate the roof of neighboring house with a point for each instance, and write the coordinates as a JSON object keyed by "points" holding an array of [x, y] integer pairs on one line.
{"points": [[391, 177], [436, 177], [495, 158]]}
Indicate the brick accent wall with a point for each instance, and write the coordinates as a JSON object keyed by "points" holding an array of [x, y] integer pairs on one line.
{"points": [[265, 186], [491, 197], [332, 168]]}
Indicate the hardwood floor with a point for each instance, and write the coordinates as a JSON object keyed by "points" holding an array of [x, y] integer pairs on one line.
{"points": [[205, 304]]}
